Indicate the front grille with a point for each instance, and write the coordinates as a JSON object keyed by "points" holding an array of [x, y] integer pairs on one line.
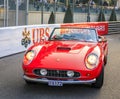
{"points": [[56, 74]]}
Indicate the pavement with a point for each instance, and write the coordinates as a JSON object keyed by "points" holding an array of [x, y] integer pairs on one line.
{"points": [[12, 85]]}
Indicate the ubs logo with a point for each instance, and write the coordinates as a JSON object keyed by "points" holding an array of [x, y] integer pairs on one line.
{"points": [[34, 36], [26, 38]]}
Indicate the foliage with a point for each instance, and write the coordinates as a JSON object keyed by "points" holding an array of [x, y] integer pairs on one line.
{"points": [[101, 16], [68, 18], [113, 16], [51, 18], [113, 2]]}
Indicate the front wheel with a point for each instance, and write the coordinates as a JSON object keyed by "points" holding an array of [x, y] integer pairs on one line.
{"points": [[105, 60], [99, 80], [29, 82]]}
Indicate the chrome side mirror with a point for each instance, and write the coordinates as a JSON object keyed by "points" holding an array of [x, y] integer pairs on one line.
{"points": [[102, 39]]}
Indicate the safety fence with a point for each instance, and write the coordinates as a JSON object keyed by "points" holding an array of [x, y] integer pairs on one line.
{"points": [[17, 39], [114, 27], [18, 12]]}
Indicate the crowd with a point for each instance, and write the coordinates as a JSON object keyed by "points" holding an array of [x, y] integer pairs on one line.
{"points": [[91, 2], [46, 3], [79, 5], [93, 5]]}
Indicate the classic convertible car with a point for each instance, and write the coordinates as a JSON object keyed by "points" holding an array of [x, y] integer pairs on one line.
{"points": [[69, 56]]}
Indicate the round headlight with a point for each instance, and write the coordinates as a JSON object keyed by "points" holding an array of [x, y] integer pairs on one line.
{"points": [[70, 73], [92, 61], [30, 55], [43, 72]]}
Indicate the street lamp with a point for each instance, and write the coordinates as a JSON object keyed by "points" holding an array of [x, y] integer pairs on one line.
{"points": [[55, 2], [88, 14], [101, 9], [4, 13], [42, 13], [27, 9], [6, 10], [17, 8], [73, 9]]}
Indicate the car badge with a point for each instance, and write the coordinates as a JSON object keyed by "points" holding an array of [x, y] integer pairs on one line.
{"points": [[58, 60]]}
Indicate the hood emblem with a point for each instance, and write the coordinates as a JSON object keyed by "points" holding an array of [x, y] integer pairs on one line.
{"points": [[58, 60]]}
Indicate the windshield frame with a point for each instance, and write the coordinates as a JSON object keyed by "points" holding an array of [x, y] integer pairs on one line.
{"points": [[95, 34]]}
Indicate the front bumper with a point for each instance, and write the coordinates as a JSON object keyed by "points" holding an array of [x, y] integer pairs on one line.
{"points": [[45, 80]]}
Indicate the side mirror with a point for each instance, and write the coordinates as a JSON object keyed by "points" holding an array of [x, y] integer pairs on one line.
{"points": [[102, 39]]}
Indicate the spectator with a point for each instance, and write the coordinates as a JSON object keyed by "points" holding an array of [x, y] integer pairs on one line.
{"points": [[105, 3], [45, 3], [35, 3], [64, 8], [92, 2], [55, 1], [78, 2], [51, 1]]}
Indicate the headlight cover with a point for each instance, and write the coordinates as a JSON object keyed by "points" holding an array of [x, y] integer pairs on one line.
{"points": [[29, 56], [91, 61]]}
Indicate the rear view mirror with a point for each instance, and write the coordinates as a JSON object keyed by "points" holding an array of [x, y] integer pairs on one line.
{"points": [[102, 39]]}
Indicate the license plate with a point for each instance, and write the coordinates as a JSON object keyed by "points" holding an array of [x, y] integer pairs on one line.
{"points": [[55, 83]]}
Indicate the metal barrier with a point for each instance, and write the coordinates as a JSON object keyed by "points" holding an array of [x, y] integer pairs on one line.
{"points": [[17, 39], [17, 12], [13, 44], [114, 27]]}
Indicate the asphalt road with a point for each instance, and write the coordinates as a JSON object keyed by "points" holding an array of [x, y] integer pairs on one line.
{"points": [[12, 86]]}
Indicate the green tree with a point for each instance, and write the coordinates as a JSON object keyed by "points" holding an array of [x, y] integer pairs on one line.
{"points": [[113, 16], [51, 18], [101, 16], [114, 2], [68, 18]]}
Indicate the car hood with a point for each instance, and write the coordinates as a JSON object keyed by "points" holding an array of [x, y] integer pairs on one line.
{"points": [[61, 55]]}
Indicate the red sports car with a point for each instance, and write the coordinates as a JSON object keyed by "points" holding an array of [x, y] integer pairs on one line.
{"points": [[70, 56]]}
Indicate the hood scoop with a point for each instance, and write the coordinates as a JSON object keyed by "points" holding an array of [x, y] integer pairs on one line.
{"points": [[64, 48]]}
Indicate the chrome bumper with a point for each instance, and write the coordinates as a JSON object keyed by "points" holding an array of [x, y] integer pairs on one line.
{"points": [[45, 80]]}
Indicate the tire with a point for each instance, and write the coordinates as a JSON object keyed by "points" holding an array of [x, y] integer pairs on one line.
{"points": [[105, 60], [29, 82], [99, 80]]}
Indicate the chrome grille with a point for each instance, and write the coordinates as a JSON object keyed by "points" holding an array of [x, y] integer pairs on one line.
{"points": [[56, 74]]}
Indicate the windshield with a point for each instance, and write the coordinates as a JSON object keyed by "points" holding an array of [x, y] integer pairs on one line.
{"points": [[78, 34]]}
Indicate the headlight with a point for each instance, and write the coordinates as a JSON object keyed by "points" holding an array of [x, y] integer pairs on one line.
{"points": [[29, 57], [92, 61], [70, 73], [43, 72]]}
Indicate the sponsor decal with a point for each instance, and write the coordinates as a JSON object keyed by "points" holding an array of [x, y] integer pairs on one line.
{"points": [[26, 38], [40, 34], [34, 36], [101, 27], [37, 34]]}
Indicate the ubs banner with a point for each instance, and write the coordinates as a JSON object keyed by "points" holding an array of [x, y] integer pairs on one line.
{"points": [[17, 39], [101, 27]]}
